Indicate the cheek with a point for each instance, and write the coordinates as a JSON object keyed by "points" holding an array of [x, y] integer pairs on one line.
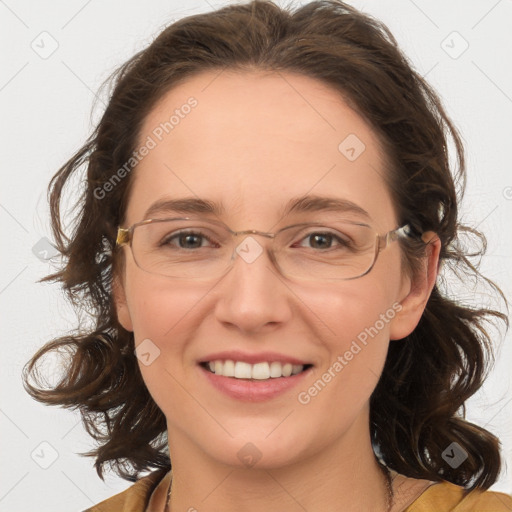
{"points": [[356, 322], [353, 307], [159, 307], [161, 313]]}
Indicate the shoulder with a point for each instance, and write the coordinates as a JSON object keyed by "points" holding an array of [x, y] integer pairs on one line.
{"points": [[133, 499], [447, 497]]}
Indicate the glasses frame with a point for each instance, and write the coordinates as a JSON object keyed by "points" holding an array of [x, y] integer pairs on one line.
{"points": [[125, 237]]}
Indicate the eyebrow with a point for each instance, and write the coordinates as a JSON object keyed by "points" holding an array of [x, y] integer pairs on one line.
{"points": [[309, 203]]}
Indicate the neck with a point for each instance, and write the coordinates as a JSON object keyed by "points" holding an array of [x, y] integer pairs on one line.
{"points": [[345, 475]]}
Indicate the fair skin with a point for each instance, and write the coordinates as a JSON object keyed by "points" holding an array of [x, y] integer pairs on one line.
{"points": [[252, 143]]}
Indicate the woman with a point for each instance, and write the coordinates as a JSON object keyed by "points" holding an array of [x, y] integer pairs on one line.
{"points": [[269, 202]]}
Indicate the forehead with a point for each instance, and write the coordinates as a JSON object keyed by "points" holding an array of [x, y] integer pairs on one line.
{"points": [[251, 141]]}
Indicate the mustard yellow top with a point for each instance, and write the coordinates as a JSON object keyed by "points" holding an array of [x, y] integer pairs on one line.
{"points": [[439, 497]]}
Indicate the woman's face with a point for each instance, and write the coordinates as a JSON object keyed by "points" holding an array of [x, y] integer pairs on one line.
{"points": [[252, 142]]}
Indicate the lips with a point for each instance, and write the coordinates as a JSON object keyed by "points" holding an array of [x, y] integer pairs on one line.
{"points": [[250, 390], [265, 384]]}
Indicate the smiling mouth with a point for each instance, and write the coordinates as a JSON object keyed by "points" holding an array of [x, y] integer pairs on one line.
{"points": [[255, 372]]}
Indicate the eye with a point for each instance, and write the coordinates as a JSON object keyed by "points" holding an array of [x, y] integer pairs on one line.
{"points": [[325, 240], [185, 240]]}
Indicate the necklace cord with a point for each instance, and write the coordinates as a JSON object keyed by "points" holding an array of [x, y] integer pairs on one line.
{"points": [[385, 469]]}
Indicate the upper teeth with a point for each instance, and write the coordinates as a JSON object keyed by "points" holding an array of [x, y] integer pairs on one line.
{"points": [[261, 371]]}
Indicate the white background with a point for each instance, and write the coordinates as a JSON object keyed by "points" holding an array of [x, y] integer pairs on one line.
{"points": [[46, 116]]}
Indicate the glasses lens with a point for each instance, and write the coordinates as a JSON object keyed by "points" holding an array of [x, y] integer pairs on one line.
{"points": [[182, 248], [335, 250], [202, 249]]}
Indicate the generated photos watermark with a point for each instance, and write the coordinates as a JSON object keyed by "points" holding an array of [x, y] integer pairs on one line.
{"points": [[305, 397], [151, 142]]}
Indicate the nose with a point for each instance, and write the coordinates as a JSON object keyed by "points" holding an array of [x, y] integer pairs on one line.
{"points": [[253, 296]]}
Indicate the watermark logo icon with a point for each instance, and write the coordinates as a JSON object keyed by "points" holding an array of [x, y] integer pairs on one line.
{"points": [[454, 455], [44, 249], [249, 455], [147, 352], [45, 45], [249, 250], [351, 147], [454, 45], [44, 455]]}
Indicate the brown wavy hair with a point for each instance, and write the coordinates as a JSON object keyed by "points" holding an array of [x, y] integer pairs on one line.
{"points": [[417, 409]]}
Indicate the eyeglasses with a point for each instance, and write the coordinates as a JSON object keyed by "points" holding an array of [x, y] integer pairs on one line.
{"points": [[189, 248]]}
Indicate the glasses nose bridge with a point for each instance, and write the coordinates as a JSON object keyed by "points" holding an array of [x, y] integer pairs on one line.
{"points": [[272, 236], [253, 232], [269, 250]]}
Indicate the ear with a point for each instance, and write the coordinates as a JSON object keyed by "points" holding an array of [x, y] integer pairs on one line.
{"points": [[119, 295], [417, 290]]}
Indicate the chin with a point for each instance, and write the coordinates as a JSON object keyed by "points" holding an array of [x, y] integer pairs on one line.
{"points": [[258, 451]]}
